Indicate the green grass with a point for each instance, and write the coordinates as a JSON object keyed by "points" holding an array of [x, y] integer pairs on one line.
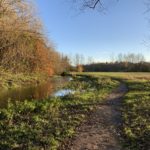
{"points": [[136, 108], [47, 123], [33, 125], [120, 75], [136, 115], [11, 80]]}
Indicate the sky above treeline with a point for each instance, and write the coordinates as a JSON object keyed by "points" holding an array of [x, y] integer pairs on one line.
{"points": [[122, 28]]}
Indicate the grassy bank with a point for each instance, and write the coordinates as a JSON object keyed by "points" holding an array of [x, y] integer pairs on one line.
{"points": [[11, 80], [46, 124]]}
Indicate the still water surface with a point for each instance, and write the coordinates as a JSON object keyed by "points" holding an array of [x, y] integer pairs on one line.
{"points": [[38, 92]]}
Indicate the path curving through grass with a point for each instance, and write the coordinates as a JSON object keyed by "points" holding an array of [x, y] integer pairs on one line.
{"points": [[101, 130]]}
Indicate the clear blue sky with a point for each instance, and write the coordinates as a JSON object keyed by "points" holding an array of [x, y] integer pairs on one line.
{"points": [[122, 28]]}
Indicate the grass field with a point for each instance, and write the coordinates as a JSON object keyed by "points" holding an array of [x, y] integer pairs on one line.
{"points": [[120, 75]]}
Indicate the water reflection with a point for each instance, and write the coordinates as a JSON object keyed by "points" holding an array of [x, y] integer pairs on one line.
{"points": [[37, 92], [64, 92]]}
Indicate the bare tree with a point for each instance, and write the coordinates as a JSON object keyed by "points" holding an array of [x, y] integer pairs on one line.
{"points": [[120, 58], [77, 60], [112, 57], [91, 4], [90, 60], [131, 57]]}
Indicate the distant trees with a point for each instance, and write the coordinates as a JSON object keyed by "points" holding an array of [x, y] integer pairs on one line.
{"points": [[131, 57], [117, 67], [124, 63], [78, 60], [23, 47]]}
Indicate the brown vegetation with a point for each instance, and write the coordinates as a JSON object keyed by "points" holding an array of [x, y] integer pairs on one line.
{"points": [[23, 47], [80, 68]]}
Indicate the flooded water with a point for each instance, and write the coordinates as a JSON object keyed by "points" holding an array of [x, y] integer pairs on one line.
{"points": [[38, 92], [63, 92]]}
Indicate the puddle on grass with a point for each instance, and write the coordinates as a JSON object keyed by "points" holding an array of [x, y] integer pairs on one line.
{"points": [[63, 92]]}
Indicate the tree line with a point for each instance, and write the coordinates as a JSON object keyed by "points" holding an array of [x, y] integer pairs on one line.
{"points": [[23, 45], [123, 63]]}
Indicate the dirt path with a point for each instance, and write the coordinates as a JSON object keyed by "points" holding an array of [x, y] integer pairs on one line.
{"points": [[100, 132]]}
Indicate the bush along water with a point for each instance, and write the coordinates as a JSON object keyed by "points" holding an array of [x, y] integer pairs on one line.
{"points": [[34, 125]]}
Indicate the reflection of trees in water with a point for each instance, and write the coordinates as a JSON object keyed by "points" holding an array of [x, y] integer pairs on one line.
{"points": [[43, 91], [47, 89], [33, 92]]}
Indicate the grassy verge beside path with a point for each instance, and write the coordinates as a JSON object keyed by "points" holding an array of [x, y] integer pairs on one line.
{"points": [[136, 108], [136, 115]]}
